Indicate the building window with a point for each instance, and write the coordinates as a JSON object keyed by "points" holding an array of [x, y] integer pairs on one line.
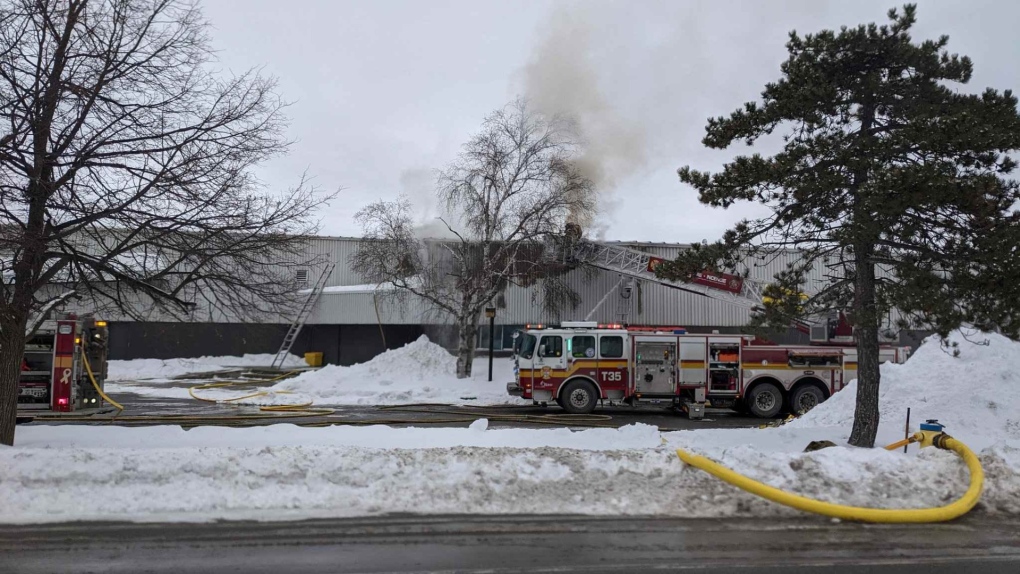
{"points": [[302, 276]]}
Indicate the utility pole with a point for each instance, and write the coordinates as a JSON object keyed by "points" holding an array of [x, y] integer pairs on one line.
{"points": [[490, 312]]}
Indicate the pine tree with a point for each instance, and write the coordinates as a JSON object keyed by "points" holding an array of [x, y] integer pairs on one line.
{"points": [[890, 180]]}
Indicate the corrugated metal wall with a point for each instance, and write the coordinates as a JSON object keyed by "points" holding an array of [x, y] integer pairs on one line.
{"points": [[338, 250], [650, 303]]}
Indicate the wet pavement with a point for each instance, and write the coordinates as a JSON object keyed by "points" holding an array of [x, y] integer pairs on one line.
{"points": [[145, 410], [511, 544]]}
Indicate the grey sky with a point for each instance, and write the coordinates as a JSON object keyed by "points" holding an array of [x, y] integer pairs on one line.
{"points": [[386, 91]]}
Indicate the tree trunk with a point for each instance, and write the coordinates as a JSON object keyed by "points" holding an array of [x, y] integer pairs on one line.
{"points": [[12, 350], [467, 332], [868, 375]]}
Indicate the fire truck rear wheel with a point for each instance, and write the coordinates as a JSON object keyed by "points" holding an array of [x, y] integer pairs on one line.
{"points": [[806, 398], [765, 400], [579, 397]]}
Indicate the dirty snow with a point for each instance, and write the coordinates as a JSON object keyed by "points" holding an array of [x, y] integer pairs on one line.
{"points": [[287, 472]]}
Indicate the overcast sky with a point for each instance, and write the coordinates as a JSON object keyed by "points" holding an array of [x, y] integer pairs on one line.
{"points": [[385, 92]]}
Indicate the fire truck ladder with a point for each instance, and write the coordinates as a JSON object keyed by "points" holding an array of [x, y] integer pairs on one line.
{"points": [[634, 263], [302, 316]]}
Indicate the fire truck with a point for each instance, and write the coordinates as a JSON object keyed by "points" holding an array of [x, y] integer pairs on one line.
{"points": [[55, 370], [580, 364]]}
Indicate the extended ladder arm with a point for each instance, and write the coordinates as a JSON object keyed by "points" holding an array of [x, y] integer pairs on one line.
{"points": [[640, 265], [746, 293]]}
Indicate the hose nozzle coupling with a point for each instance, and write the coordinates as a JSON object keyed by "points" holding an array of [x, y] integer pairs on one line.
{"points": [[941, 440]]}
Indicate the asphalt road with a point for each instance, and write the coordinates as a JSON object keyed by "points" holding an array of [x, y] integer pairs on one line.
{"points": [[141, 410], [499, 545]]}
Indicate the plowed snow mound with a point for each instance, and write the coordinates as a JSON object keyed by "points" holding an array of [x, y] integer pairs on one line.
{"points": [[420, 371], [976, 395]]}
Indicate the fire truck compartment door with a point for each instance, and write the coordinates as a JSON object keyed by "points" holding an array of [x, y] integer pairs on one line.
{"points": [[655, 367], [693, 368]]}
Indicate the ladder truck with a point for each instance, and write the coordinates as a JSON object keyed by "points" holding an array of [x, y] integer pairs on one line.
{"points": [[579, 364], [745, 292]]}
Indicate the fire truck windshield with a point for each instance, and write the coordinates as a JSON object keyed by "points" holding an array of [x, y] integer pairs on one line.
{"points": [[528, 346]]}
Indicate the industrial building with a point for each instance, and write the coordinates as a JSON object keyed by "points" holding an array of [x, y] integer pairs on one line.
{"points": [[352, 321]]}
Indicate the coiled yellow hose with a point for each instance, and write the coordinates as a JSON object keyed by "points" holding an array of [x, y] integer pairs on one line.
{"points": [[955, 509]]}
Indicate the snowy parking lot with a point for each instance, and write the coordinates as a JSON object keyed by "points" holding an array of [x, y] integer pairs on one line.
{"points": [[419, 372], [61, 473]]}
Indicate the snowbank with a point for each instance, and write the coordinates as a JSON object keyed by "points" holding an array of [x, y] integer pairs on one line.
{"points": [[976, 395], [287, 472], [164, 369], [419, 372]]}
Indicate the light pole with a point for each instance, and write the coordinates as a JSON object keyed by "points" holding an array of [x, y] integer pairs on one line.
{"points": [[490, 312]]}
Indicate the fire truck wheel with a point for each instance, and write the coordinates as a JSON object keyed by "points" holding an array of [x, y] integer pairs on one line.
{"points": [[806, 398], [765, 400], [579, 398]]}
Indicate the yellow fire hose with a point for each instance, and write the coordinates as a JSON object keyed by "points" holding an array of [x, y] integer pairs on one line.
{"points": [[95, 385], [957, 508], [293, 407]]}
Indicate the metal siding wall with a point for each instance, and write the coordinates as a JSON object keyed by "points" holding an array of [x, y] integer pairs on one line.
{"points": [[655, 304], [338, 250]]}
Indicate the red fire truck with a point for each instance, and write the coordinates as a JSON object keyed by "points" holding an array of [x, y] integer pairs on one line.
{"points": [[55, 368], [579, 364]]}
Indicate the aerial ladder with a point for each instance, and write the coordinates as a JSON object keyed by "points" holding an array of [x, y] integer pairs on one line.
{"points": [[745, 292]]}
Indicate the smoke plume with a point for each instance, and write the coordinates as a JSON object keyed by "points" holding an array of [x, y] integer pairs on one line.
{"points": [[418, 185], [562, 79]]}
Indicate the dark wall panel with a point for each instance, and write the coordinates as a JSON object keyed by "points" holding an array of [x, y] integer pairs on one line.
{"points": [[360, 343], [339, 344], [170, 340]]}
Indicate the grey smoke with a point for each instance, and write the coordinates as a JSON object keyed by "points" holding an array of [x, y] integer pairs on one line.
{"points": [[418, 185], [561, 78]]}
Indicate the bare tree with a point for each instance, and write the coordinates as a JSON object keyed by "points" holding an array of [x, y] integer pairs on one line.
{"points": [[125, 170], [512, 187]]}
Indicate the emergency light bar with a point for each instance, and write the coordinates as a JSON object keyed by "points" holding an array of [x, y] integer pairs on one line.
{"points": [[579, 325]]}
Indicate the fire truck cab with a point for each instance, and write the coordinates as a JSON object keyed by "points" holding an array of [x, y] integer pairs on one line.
{"points": [[580, 364]]}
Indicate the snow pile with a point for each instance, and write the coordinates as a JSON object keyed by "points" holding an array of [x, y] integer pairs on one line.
{"points": [[418, 372], [284, 472], [976, 395], [164, 369]]}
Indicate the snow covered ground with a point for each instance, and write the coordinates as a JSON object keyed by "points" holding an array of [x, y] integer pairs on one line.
{"points": [[288, 472], [419, 372], [165, 369]]}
